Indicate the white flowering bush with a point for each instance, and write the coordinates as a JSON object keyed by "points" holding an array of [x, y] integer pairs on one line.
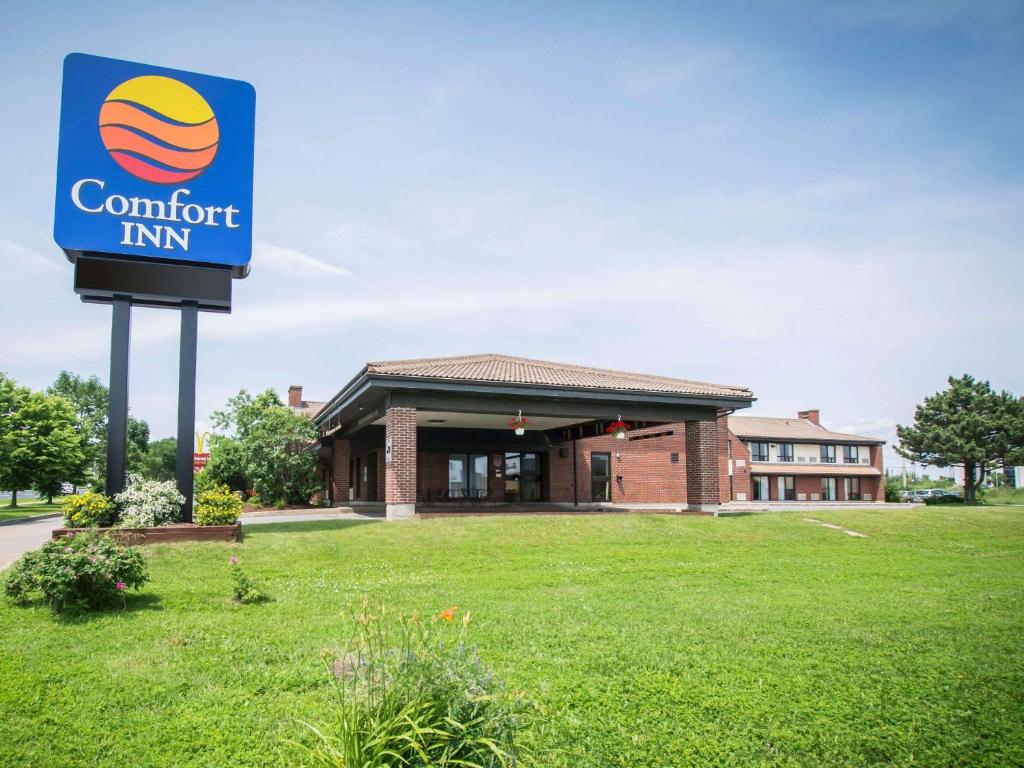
{"points": [[147, 503]]}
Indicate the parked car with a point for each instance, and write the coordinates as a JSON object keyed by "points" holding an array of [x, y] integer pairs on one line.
{"points": [[917, 495], [67, 488], [943, 496]]}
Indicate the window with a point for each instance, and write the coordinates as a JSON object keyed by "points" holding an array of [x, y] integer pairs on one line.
{"points": [[787, 488], [600, 477], [759, 451], [850, 454], [759, 485], [828, 454], [785, 451], [853, 489], [828, 489], [467, 475]]}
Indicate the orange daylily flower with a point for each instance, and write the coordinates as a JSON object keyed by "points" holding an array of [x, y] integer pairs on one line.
{"points": [[448, 614]]}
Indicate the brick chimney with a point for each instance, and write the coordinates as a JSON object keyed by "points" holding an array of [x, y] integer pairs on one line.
{"points": [[811, 416], [295, 396]]}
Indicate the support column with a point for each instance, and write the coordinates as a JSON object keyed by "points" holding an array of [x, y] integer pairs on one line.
{"points": [[183, 467], [400, 463], [340, 480], [702, 466], [117, 409]]}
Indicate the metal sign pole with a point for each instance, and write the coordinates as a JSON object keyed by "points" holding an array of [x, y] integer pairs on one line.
{"points": [[117, 408], [187, 404]]}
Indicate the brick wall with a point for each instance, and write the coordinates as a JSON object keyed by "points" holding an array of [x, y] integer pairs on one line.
{"points": [[340, 469], [400, 475], [560, 474], [431, 473], [875, 454], [741, 490], [648, 474], [702, 463]]}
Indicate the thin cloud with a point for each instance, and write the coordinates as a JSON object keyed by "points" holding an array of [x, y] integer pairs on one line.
{"points": [[674, 74], [293, 262], [20, 257]]}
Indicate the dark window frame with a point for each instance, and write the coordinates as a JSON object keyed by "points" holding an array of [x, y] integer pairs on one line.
{"points": [[470, 491], [851, 451], [829, 493], [851, 494], [606, 494], [755, 454], [755, 485], [827, 453], [788, 457], [788, 488]]}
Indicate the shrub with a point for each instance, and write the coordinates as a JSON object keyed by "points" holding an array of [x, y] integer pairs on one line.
{"points": [[77, 573], [218, 506], [244, 589], [224, 467], [147, 503], [88, 510], [414, 693]]}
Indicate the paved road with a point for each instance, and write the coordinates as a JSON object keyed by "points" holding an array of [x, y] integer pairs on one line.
{"points": [[18, 538]]}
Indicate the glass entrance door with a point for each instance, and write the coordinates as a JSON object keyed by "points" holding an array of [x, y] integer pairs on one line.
{"points": [[600, 477], [523, 477]]}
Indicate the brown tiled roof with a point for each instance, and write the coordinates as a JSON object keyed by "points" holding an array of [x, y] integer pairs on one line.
{"points": [[520, 370], [310, 407], [790, 429], [838, 470]]}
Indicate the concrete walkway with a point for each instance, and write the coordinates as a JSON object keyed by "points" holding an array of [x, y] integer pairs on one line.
{"points": [[18, 538], [315, 514], [734, 507]]}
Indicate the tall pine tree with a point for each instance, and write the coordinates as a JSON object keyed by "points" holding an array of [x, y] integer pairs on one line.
{"points": [[967, 425]]}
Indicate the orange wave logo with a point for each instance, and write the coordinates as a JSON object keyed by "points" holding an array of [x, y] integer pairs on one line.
{"points": [[159, 129]]}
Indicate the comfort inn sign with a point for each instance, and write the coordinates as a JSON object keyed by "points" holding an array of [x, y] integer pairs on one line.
{"points": [[154, 164]]}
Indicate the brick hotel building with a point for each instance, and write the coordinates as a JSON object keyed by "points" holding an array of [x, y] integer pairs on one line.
{"points": [[431, 433]]}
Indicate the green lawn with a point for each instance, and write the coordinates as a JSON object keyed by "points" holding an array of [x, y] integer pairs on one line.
{"points": [[27, 508], [998, 496], [651, 640]]}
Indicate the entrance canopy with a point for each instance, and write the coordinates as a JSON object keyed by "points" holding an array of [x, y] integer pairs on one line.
{"points": [[485, 391], [409, 432]]}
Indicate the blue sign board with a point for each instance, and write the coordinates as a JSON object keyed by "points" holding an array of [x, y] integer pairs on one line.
{"points": [[154, 164]]}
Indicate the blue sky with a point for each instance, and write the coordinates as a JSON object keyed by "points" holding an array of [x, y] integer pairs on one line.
{"points": [[821, 201]]}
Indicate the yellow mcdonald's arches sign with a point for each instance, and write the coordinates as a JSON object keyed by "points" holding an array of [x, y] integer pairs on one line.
{"points": [[201, 441]]}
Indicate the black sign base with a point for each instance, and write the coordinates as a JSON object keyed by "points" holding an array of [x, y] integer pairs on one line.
{"points": [[99, 278]]}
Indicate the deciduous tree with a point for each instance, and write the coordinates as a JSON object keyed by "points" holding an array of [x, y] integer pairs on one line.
{"points": [[277, 447], [88, 398], [42, 448]]}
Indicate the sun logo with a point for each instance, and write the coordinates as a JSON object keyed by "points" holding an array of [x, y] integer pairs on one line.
{"points": [[159, 130]]}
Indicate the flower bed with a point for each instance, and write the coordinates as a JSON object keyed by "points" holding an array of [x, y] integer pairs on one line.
{"points": [[163, 534]]}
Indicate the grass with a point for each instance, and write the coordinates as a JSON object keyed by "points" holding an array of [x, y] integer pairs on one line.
{"points": [[651, 640], [1001, 496], [29, 508]]}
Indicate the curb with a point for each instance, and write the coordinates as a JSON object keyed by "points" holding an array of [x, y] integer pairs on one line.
{"points": [[20, 520]]}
